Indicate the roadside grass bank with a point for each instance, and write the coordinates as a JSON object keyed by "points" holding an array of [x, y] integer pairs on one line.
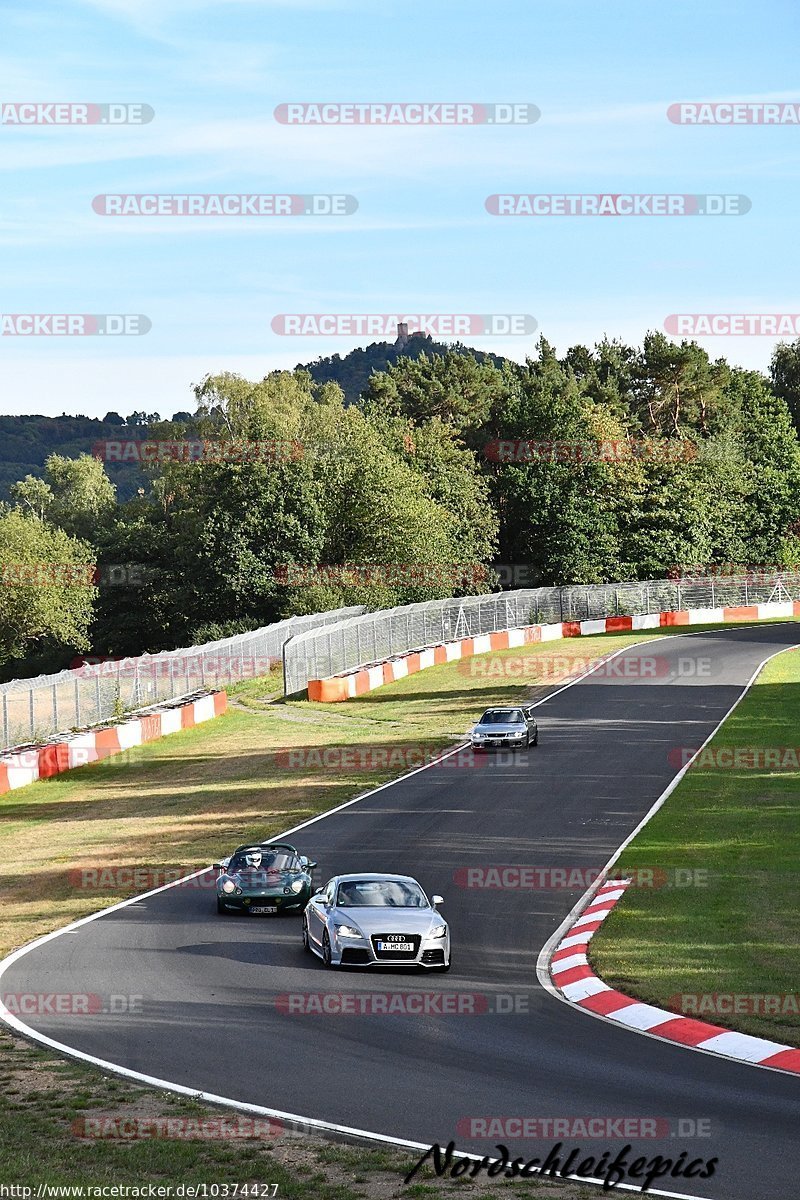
{"points": [[720, 938]]}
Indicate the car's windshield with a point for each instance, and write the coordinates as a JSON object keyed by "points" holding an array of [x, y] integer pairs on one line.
{"points": [[257, 859], [502, 716], [380, 893]]}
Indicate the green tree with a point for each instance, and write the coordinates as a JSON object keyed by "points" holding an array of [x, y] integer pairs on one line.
{"points": [[46, 589]]}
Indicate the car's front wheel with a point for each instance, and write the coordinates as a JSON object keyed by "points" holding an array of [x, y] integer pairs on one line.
{"points": [[306, 942], [221, 909], [327, 955]]}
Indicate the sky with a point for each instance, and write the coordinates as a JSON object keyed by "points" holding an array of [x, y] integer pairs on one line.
{"points": [[421, 241]]}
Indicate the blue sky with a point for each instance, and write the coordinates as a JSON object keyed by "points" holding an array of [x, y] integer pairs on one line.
{"points": [[421, 241]]}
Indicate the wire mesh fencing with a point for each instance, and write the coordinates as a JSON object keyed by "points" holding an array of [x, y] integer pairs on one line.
{"points": [[32, 710], [372, 637]]}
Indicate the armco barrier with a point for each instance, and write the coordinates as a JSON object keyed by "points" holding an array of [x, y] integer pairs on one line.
{"points": [[80, 749], [366, 679]]}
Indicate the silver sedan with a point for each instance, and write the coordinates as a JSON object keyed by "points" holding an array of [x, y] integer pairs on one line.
{"points": [[365, 920], [501, 727]]}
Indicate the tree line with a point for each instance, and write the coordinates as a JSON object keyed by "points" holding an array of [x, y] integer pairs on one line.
{"points": [[451, 472]]}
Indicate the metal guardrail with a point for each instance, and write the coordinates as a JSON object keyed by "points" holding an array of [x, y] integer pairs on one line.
{"points": [[373, 637], [31, 710]]}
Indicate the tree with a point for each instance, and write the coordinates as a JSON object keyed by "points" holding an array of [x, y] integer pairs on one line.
{"points": [[785, 376], [113, 418], [75, 495], [46, 589]]}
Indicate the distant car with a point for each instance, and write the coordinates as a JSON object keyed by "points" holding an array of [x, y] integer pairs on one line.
{"points": [[499, 727], [366, 920], [266, 877]]}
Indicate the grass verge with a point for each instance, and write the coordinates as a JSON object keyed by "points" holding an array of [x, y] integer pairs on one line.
{"points": [[724, 945]]}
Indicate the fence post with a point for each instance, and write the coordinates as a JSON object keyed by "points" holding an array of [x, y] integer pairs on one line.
{"points": [[561, 603], [745, 591], [713, 595], [55, 708], [283, 663], [6, 726], [31, 711], [77, 703]]}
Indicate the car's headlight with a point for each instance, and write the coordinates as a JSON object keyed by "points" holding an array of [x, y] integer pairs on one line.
{"points": [[229, 886], [347, 931], [297, 886], [439, 932], [477, 735]]}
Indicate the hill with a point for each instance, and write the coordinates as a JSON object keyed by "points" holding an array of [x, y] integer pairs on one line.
{"points": [[26, 441]]}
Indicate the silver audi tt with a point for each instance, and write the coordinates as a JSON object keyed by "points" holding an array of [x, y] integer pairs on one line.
{"points": [[364, 920]]}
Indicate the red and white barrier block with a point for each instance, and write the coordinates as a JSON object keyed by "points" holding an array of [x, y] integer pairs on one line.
{"points": [[366, 679], [577, 982], [80, 749]]}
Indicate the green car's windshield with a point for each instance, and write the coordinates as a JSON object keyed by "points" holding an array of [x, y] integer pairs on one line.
{"points": [[380, 893], [256, 859]]}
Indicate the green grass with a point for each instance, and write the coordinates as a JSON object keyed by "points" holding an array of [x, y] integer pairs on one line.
{"points": [[739, 828]]}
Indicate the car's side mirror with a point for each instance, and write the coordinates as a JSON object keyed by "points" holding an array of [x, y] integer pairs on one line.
{"points": [[318, 891], [438, 900], [307, 864]]}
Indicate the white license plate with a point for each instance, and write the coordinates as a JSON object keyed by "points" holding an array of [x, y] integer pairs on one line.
{"points": [[262, 909], [402, 947]]}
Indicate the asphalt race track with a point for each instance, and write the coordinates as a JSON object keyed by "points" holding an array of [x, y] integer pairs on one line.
{"points": [[210, 1016]]}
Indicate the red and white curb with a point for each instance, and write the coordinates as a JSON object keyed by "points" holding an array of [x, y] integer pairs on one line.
{"points": [[577, 983], [80, 749], [366, 679]]}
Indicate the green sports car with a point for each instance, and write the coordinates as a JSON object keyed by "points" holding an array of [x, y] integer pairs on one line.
{"points": [[270, 877]]}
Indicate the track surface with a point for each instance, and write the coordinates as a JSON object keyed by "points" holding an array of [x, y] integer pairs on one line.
{"points": [[209, 984]]}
